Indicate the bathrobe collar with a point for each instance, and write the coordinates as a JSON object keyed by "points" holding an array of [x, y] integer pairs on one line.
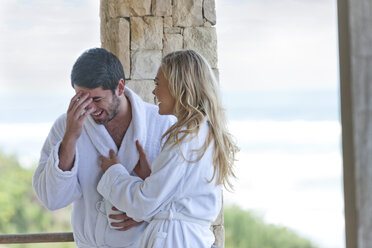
{"points": [[127, 153]]}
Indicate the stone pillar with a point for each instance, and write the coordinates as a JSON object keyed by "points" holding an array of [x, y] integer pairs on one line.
{"points": [[355, 44], [140, 33]]}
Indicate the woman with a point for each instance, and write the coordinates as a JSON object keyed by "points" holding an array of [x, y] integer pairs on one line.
{"points": [[181, 195]]}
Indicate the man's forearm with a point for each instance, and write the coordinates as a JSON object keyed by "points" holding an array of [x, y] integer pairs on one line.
{"points": [[66, 154]]}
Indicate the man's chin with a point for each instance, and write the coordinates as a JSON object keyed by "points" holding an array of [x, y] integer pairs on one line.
{"points": [[99, 121]]}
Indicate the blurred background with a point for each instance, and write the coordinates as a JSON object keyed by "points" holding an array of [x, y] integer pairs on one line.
{"points": [[278, 63]]}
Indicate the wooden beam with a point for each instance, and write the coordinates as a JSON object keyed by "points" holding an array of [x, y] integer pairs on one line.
{"points": [[348, 148], [36, 238]]}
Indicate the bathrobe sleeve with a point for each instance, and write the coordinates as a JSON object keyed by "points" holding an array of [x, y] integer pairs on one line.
{"points": [[55, 188], [142, 199]]}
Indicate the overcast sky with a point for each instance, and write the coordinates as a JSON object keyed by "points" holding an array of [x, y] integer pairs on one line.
{"points": [[278, 44], [40, 40], [262, 44]]}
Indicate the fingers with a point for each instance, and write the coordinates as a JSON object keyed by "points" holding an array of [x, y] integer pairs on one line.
{"points": [[75, 99], [88, 111], [126, 225], [112, 154], [122, 216], [80, 104]]}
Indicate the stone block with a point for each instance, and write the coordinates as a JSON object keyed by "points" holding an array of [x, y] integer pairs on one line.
{"points": [[115, 38], [172, 42], [187, 13], [219, 234], [209, 11], [207, 24], [146, 33], [162, 7], [219, 220], [174, 30], [127, 8], [143, 88], [145, 64], [168, 22], [204, 41]]}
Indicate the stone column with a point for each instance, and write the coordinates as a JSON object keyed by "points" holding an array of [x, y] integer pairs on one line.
{"points": [[355, 44], [140, 33]]}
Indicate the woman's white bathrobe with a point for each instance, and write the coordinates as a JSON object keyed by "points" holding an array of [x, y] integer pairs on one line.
{"points": [[57, 189], [176, 198]]}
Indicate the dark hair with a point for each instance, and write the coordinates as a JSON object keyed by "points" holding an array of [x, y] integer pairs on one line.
{"points": [[95, 68]]}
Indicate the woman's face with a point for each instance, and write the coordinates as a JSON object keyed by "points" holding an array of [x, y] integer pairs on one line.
{"points": [[165, 100]]}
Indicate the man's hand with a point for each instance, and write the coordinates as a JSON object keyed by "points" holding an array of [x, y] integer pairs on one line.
{"points": [[107, 162], [142, 168], [77, 112], [126, 224]]}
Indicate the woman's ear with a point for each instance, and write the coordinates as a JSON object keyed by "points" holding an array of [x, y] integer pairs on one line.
{"points": [[121, 87]]}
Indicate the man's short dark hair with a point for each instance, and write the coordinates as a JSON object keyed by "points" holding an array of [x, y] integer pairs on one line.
{"points": [[95, 68]]}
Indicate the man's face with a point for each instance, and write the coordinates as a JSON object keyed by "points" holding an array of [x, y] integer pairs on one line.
{"points": [[105, 103]]}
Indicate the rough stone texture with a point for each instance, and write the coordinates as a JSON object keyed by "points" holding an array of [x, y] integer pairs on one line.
{"points": [[143, 88], [187, 13], [145, 63], [126, 8], [218, 229], [207, 24], [209, 11], [172, 42], [115, 38], [174, 30], [162, 7], [219, 234], [168, 22], [219, 220], [146, 33], [202, 40]]}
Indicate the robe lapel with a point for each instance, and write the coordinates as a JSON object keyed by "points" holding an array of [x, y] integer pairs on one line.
{"points": [[127, 153]]}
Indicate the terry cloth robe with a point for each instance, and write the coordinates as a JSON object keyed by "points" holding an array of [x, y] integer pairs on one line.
{"points": [[57, 189], [176, 198]]}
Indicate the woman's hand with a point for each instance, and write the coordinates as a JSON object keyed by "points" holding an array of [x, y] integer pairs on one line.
{"points": [[107, 162], [142, 168]]}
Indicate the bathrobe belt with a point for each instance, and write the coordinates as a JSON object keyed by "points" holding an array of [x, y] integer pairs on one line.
{"points": [[171, 215]]}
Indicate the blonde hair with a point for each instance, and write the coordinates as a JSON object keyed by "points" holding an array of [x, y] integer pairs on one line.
{"points": [[192, 84]]}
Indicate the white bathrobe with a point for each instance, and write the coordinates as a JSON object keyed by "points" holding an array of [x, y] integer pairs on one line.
{"points": [[57, 189], [176, 198]]}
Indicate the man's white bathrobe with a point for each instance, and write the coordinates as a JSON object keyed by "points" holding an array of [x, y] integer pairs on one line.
{"points": [[57, 189], [176, 198]]}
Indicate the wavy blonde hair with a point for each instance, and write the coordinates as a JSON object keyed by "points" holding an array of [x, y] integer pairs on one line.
{"points": [[192, 84]]}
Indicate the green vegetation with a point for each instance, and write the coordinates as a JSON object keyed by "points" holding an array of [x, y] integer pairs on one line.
{"points": [[21, 212], [245, 230]]}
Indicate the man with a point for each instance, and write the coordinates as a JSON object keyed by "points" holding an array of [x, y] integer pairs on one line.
{"points": [[103, 115]]}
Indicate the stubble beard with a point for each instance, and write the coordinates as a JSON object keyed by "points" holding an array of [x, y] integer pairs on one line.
{"points": [[112, 111]]}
